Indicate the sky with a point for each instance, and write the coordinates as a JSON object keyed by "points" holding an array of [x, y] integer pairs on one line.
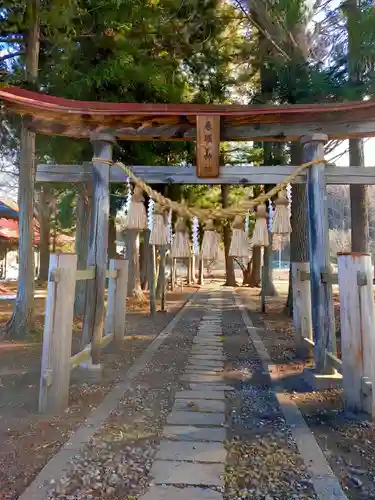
{"points": [[344, 160]]}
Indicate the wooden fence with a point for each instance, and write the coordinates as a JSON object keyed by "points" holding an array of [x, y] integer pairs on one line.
{"points": [[57, 361], [357, 325]]}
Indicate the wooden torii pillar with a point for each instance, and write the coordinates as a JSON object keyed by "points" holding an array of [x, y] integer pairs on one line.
{"points": [[93, 322], [323, 320]]}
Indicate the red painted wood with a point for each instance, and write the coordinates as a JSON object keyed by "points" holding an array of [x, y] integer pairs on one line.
{"points": [[256, 114]]}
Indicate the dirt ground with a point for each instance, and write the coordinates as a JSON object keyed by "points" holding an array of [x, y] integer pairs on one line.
{"points": [[29, 439], [347, 440]]}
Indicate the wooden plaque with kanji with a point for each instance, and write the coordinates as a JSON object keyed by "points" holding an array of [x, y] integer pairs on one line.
{"points": [[208, 146]]}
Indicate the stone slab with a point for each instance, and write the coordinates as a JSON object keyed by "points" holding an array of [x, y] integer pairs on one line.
{"points": [[204, 378], [211, 328], [202, 405], [208, 344], [208, 341], [172, 493], [191, 451], [321, 381], [165, 472], [208, 394], [209, 363], [209, 337], [204, 370], [207, 349], [195, 418], [191, 433], [210, 387], [207, 356]]}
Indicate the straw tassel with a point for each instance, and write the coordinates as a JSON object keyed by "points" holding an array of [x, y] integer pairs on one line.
{"points": [[239, 246], [210, 242], [159, 231], [137, 217], [260, 235], [180, 248], [281, 220]]}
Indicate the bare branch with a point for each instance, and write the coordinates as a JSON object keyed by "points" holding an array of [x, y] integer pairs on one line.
{"points": [[4, 39], [10, 56], [263, 31]]}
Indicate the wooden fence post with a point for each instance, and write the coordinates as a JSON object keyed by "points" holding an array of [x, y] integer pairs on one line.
{"points": [[57, 336], [357, 316], [302, 323], [321, 290], [116, 302]]}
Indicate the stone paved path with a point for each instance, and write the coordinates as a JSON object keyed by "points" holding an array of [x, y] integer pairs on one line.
{"points": [[192, 449], [202, 420], [192, 461]]}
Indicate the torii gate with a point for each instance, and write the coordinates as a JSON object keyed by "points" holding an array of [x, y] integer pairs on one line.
{"points": [[103, 123]]}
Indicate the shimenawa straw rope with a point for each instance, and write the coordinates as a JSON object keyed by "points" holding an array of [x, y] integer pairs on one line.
{"points": [[219, 213]]}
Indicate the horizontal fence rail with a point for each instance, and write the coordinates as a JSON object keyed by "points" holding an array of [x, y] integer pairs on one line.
{"points": [[236, 174]]}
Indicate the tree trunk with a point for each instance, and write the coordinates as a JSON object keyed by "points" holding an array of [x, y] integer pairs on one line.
{"points": [[246, 272], [299, 238], [269, 289], [201, 272], [358, 202], [132, 251], [112, 237], [44, 216], [230, 279], [143, 260], [256, 260], [22, 320], [161, 272], [358, 194], [84, 201]]}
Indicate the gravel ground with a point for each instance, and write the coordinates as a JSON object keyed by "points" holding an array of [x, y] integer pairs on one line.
{"points": [[348, 441], [263, 460], [116, 463], [29, 440]]}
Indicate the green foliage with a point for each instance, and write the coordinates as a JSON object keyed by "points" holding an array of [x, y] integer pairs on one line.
{"points": [[65, 215]]}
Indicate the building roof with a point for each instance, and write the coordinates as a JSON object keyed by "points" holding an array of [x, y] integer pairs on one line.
{"points": [[135, 121], [8, 209], [9, 230]]}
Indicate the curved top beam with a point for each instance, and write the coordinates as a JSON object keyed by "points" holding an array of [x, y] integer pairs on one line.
{"points": [[137, 121]]}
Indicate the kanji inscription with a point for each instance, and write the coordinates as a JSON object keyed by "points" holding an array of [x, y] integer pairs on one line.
{"points": [[208, 146]]}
